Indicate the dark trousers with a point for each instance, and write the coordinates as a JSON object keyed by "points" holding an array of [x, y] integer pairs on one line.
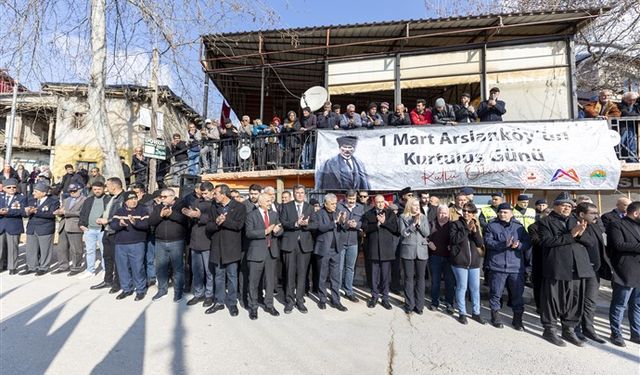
{"points": [[515, 285], [69, 248], [226, 283], [380, 279], [329, 266], [109, 258], [562, 299], [170, 251], [415, 271], [257, 271], [296, 263], [591, 288], [130, 260]]}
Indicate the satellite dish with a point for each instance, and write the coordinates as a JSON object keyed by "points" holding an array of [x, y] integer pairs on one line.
{"points": [[314, 98]]}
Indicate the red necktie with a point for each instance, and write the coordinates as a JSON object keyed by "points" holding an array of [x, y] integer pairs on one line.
{"points": [[266, 225]]}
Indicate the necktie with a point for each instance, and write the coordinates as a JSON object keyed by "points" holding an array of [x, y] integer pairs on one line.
{"points": [[266, 225], [299, 207], [348, 161]]}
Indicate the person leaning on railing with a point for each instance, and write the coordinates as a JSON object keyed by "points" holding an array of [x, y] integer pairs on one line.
{"points": [[210, 134], [602, 108]]}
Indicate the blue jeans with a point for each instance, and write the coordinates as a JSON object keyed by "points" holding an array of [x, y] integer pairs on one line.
{"points": [[202, 278], [169, 252], [194, 161], [226, 284], [439, 265], [150, 256], [348, 257], [620, 298], [92, 237], [467, 278], [130, 264]]}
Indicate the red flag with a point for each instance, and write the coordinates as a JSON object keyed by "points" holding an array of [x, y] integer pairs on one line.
{"points": [[225, 112]]}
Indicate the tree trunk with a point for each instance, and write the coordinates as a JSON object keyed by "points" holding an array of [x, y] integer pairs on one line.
{"points": [[96, 91]]}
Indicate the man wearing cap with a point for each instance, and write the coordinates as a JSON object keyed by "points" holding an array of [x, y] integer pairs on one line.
{"points": [[488, 213], [69, 232], [541, 206], [327, 118], [400, 117], [40, 229], [465, 113], [131, 223], [492, 109], [384, 112], [505, 240], [343, 171], [12, 206], [210, 135], [443, 113], [92, 209], [566, 266], [372, 118], [525, 215]]}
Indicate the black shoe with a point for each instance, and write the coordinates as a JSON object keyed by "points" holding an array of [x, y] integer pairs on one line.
{"points": [[550, 335], [207, 302], [408, 310], [194, 301], [517, 322], [40, 273], [352, 298], [338, 306], [302, 308], [495, 320], [216, 307], [478, 318], [140, 296], [124, 295], [114, 290], [572, 338], [177, 297], [102, 285], [13, 272], [73, 273], [288, 309], [580, 336], [253, 314], [59, 270], [25, 272], [432, 308], [151, 282], [418, 311], [618, 341], [386, 304], [449, 310], [633, 339], [322, 305], [371, 303], [594, 337], [463, 319], [272, 311], [233, 310], [159, 295]]}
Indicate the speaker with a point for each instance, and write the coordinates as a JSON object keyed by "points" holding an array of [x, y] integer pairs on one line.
{"points": [[188, 184]]}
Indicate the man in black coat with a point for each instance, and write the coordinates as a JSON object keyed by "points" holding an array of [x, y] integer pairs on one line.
{"points": [[617, 213], [624, 237], [565, 268], [381, 227], [325, 224], [297, 245], [343, 171], [224, 226], [262, 227], [40, 229]]}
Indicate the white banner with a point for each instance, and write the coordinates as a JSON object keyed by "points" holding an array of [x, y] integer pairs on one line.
{"points": [[572, 155]]}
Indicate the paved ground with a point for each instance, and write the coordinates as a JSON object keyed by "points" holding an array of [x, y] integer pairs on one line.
{"points": [[55, 324]]}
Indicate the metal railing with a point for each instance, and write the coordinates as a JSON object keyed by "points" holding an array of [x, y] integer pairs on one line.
{"points": [[628, 128]]}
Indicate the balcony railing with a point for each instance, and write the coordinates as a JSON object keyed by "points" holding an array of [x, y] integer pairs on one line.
{"points": [[628, 128]]}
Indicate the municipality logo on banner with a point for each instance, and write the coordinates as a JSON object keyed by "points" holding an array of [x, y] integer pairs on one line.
{"points": [[542, 155]]}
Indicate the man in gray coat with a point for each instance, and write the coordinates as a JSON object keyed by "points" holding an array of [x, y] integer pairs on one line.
{"points": [[70, 234]]}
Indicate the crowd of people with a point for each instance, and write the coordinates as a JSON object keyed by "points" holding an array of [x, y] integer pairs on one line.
{"points": [[227, 250]]}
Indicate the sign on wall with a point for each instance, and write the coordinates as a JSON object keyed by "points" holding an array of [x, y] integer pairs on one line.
{"points": [[155, 149], [575, 155]]}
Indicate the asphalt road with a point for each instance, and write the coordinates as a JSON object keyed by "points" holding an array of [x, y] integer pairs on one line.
{"points": [[55, 324]]}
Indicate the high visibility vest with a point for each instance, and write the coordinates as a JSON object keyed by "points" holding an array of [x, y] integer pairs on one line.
{"points": [[526, 219], [489, 213]]}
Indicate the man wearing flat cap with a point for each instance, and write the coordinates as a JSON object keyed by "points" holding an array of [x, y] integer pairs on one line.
{"points": [[372, 118], [566, 267], [465, 113], [343, 171], [12, 206], [70, 235], [40, 229]]}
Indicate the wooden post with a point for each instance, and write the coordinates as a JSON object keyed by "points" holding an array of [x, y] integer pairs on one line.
{"points": [[154, 117]]}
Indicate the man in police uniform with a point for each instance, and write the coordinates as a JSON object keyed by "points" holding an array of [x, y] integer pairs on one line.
{"points": [[12, 206], [40, 229], [491, 212], [525, 215]]}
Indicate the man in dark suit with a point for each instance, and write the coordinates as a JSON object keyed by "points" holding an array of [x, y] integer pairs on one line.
{"points": [[325, 224], [12, 206], [224, 225], [40, 229], [70, 235], [343, 171], [617, 213], [624, 236], [262, 226], [381, 227], [297, 245]]}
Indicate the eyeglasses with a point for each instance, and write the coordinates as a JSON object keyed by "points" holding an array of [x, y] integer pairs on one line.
{"points": [[363, 196]]}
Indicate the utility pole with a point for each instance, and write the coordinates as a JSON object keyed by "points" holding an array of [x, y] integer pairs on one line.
{"points": [[154, 117], [12, 125]]}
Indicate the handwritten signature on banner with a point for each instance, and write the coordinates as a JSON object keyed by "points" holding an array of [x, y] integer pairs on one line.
{"points": [[471, 173]]}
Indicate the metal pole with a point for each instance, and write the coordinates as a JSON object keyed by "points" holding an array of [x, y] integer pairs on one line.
{"points": [[261, 93], [12, 124], [205, 101], [397, 89], [154, 116]]}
